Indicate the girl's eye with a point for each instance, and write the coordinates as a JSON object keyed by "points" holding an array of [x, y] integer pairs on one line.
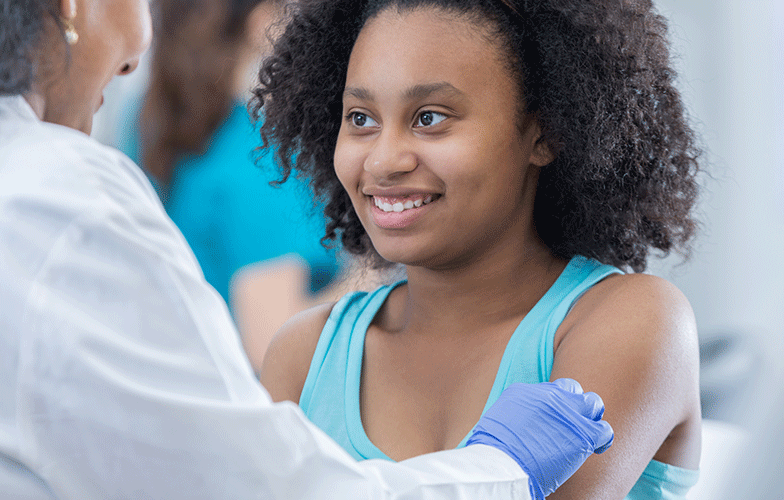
{"points": [[361, 120], [429, 118]]}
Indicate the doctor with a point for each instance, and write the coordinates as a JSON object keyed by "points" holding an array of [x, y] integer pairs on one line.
{"points": [[121, 375]]}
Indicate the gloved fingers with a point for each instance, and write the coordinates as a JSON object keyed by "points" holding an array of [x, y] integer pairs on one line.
{"points": [[593, 406], [603, 436], [588, 404], [569, 385]]}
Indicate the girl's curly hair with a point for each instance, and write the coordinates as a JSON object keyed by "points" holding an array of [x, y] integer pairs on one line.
{"points": [[596, 75]]}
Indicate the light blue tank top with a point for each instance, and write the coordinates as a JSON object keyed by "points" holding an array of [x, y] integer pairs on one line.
{"points": [[330, 396]]}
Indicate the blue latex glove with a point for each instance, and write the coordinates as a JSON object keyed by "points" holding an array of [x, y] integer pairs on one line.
{"points": [[550, 429]]}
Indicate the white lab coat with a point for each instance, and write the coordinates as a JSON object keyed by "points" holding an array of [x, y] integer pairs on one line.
{"points": [[121, 373]]}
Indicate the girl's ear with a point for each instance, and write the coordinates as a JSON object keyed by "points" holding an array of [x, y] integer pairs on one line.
{"points": [[542, 154]]}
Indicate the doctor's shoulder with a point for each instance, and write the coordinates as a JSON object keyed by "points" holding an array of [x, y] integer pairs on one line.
{"points": [[290, 352], [68, 164]]}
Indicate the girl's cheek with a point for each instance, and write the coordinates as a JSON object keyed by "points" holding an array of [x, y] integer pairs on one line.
{"points": [[348, 164]]}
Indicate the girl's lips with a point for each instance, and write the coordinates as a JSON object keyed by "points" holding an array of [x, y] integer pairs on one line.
{"points": [[400, 211]]}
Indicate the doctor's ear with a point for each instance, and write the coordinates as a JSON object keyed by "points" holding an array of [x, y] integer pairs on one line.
{"points": [[68, 9]]}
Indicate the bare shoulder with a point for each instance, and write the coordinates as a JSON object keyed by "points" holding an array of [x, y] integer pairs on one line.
{"points": [[633, 300], [642, 316], [287, 359]]}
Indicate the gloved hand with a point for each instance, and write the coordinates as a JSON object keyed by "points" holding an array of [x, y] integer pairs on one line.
{"points": [[550, 429]]}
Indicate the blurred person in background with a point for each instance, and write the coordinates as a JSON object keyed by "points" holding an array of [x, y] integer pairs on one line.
{"points": [[121, 372], [259, 245]]}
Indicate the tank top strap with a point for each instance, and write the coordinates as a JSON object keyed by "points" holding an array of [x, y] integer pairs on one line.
{"points": [[330, 395], [579, 276], [335, 337], [332, 335]]}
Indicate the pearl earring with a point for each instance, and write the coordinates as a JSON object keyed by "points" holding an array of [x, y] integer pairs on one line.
{"points": [[71, 36]]}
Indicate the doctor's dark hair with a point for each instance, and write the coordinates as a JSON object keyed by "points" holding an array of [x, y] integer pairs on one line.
{"points": [[594, 73], [22, 26]]}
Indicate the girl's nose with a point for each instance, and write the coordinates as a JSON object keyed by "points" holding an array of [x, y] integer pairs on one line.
{"points": [[390, 157]]}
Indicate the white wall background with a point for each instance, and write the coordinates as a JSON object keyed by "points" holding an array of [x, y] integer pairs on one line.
{"points": [[732, 77]]}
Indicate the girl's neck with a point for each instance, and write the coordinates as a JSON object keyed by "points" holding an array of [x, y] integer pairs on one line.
{"points": [[483, 294]]}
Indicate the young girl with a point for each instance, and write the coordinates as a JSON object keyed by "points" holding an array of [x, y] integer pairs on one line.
{"points": [[521, 159]]}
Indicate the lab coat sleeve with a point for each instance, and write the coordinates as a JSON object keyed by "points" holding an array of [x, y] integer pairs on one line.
{"points": [[133, 384]]}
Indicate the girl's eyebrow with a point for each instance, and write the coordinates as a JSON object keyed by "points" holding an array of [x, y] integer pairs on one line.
{"points": [[360, 93], [425, 90], [414, 93]]}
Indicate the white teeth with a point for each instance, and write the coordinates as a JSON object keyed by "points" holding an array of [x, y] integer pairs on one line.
{"points": [[402, 205]]}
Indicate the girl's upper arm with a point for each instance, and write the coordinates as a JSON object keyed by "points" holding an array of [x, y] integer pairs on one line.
{"points": [[287, 360], [631, 339]]}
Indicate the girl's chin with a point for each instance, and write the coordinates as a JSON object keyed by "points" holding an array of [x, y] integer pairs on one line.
{"points": [[407, 257]]}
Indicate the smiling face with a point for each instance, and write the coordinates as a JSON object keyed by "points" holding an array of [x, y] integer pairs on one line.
{"points": [[112, 36], [431, 149]]}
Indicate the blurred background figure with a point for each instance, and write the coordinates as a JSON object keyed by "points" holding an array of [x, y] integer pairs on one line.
{"points": [[257, 244]]}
